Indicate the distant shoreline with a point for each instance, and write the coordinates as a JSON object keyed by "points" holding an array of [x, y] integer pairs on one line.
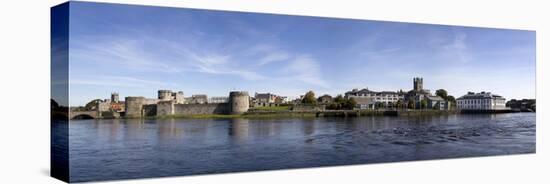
{"points": [[327, 113]]}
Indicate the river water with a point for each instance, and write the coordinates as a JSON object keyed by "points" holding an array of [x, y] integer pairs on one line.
{"points": [[124, 149]]}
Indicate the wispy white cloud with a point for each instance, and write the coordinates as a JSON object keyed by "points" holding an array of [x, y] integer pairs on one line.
{"points": [[139, 52], [306, 69], [212, 63], [123, 53], [266, 54], [374, 53], [457, 49], [274, 57], [128, 54], [119, 81]]}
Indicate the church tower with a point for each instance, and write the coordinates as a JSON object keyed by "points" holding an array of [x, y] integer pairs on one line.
{"points": [[418, 84]]}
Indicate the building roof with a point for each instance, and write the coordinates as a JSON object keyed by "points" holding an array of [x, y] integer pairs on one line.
{"points": [[435, 98], [421, 92], [264, 95], [482, 95], [367, 91], [388, 92]]}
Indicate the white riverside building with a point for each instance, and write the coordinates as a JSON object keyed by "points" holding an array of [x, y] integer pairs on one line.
{"points": [[481, 101], [367, 99]]}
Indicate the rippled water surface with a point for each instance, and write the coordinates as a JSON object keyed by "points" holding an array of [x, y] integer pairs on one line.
{"points": [[122, 149]]}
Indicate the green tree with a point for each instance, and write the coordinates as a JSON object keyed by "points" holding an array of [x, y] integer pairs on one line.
{"points": [[423, 103], [339, 99], [340, 102], [92, 105], [309, 98], [332, 106], [351, 103], [452, 101], [391, 104], [399, 103], [410, 104], [442, 93], [379, 105], [451, 98]]}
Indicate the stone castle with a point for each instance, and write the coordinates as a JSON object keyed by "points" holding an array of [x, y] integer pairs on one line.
{"points": [[171, 103]]}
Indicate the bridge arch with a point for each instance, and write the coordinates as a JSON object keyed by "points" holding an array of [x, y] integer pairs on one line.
{"points": [[84, 115]]}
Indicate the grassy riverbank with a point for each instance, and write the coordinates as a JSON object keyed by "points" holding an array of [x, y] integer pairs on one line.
{"points": [[270, 108], [279, 113], [246, 115]]}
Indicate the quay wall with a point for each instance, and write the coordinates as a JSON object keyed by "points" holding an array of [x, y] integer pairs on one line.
{"points": [[355, 113], [358, 113], [489, 111], [426, 112], [301, 107]]}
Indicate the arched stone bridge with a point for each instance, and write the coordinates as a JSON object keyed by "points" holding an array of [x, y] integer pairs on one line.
{"points": [[84, 115]]}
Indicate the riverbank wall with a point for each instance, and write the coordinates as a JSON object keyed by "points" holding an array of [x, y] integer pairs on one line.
{"points": [[492, 111], [353, 113], [359, 113], [224, 110]]}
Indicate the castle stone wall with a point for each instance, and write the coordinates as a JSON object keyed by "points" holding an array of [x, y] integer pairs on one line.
{"points": [[150, 110], [150, 101], [165, 108], [195, 109], [142, 107]]}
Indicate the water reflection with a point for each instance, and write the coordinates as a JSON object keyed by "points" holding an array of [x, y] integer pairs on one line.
{"points": [[168, 129], [238, 128], [115, 149]]}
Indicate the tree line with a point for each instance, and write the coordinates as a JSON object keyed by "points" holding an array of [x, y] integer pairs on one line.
{"points": [[341, 103]]}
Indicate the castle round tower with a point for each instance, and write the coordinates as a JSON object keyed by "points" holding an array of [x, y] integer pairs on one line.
{"points": [[164, 95], [134, 106], [179, 97], [239, 101]]}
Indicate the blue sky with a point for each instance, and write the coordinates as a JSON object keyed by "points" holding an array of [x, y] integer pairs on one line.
{"points": [[136, 50]]}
